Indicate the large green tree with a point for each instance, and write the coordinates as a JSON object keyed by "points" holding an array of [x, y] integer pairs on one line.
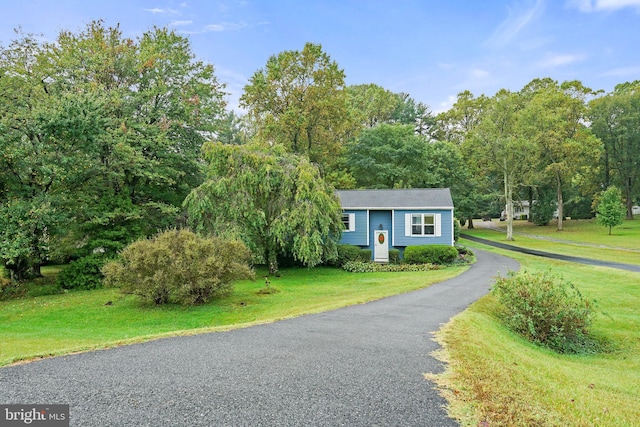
{"points": [[554, 120], [456, 126], [299, 101], [101, 137], [47, 142], [615, 119], [388, 156], [275, 202], [501, 148]]}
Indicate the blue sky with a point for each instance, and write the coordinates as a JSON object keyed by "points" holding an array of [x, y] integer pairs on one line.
{"points": [[431, 49]]}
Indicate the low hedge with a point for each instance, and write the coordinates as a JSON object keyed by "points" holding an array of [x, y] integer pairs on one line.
{"points": [[430, 254], [372, 267], [347, 253]]}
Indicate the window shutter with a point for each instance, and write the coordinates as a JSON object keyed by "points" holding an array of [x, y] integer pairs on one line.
{"points": [[352, 222], [407, 224], [438, 224]]}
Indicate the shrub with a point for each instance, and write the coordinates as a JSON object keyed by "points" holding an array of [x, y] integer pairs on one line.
{"points": [[365, 255], [430, 254], [178, 266], [347, 253], [83, 273], [545, 310], [10, 289], [372, 267], [394, 256]]}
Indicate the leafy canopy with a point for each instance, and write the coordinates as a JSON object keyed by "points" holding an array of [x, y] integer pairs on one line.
{"points": [[275, 202]]}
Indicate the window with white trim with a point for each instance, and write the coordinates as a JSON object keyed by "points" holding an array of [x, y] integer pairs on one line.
{"points": [[349, 221], [423, 225]]}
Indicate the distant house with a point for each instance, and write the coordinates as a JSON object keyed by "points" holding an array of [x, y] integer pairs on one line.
{"points": [[383, 219]]}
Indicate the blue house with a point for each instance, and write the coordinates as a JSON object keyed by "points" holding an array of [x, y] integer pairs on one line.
{"points": [[383, 219]]}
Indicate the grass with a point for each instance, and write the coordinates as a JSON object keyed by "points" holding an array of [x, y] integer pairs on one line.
{"points": [[582, 238], [496, 378], [77, 321]]}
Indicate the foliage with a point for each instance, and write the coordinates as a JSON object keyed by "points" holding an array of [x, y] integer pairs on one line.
{"points": [[275, 202], [372, 267], [366, 254], [388, 156], [370, 104], [553, 119], [610, 210], [394, 256], [299, 100], [177, 266], [501, 148], [546, 310], [100, 137], [347, 253], [430, 254], [83, 273], [543, 208]]}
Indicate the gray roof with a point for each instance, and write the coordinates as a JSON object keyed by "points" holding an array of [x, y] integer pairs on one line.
{"points": [[410, 198]]}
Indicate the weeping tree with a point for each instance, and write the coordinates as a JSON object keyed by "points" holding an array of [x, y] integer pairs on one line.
{"points": [[275, 202]]}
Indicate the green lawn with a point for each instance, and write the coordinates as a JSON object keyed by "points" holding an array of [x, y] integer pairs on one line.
{"points": [[496, 377], [582, 238], [76, 321]]}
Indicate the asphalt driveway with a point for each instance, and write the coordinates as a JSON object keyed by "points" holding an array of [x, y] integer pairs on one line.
{"points": [[357, 366]]}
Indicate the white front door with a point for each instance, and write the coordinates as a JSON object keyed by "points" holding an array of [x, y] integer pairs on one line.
{"points": [[381, 246]]}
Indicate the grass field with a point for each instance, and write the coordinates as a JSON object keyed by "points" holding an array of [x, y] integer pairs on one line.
{"points": [[582, 238], [60, 324], [497, 378]]}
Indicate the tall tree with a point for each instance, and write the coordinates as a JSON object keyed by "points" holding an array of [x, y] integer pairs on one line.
{"points": [[47, 142], [275, 202], [100, 137], [408, 111], [299, 100], [615, 119], [161, 105], [501, 148], [388, 156], [456, 126], [554, 119], [371, 104]]}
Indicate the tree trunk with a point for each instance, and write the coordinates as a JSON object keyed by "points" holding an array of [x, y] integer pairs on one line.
{"points": [[627, 194], [529, 219], [560, 203], [470, 225], [508, 193]]}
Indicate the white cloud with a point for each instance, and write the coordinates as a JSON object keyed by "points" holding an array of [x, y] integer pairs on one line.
{"points": [[226, 26], [445, 105], [157, 10], [479, 73], [603, 5], [559, 60], [179, 23], [518, 18], [622, 72]]}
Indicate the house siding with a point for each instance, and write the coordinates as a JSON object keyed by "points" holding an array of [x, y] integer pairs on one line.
{"points": [[359, 236], [446, 229], [375, 219]]}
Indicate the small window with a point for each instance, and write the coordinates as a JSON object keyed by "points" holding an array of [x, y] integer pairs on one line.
{"points": [[349, 221], [423, 225], [345, 221]]}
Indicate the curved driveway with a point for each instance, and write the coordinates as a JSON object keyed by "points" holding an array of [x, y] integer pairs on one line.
{"points": [[357, 366]]}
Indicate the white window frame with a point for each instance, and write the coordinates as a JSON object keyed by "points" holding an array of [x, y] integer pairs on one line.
{"points": [[409, 224], [350, 223]]}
